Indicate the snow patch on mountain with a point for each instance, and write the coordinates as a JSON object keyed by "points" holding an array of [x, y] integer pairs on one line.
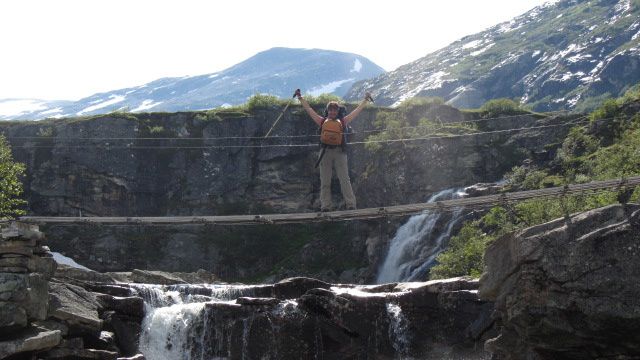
{"points": [[578, 57], [146, 105], [509, 26], [433, 81], [113, 99], [472, 44], [357, 66], [16, 107], [478, 52], [621, 7], [327, 88]]}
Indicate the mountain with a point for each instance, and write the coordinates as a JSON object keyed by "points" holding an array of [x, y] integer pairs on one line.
{"points": [[561, 55], [277, 71]]}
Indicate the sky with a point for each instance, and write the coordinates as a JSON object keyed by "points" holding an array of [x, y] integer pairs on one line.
{"points": [[70, 49]]}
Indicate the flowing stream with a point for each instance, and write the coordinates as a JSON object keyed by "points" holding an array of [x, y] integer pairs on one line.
{"points": [[176, 326], [413, 250], [188, 322]]}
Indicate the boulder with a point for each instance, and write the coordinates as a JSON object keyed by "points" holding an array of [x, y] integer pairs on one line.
{"points": [[295, 287], [27, 340], [70, 272], [75, 306], [126, 329], [432, 320], [155, 277], [131, 305], [257, 301], [568, 289]]}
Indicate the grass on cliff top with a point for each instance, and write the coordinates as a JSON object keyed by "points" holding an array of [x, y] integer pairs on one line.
{"points": [[588, 153], [399, 123]]}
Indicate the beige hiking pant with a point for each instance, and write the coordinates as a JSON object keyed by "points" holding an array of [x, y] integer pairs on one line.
{"points": [[338, 158]]}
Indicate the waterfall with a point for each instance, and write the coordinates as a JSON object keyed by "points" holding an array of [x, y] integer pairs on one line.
{"points": [[175, 324], [398, 329], [413, 249], [167, 331]]}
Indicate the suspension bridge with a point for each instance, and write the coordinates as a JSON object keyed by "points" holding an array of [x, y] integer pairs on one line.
{"points": [[345, 215], [359, 214]]}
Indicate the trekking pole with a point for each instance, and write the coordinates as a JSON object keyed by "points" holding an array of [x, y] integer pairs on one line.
{"points": [[282, 113]]}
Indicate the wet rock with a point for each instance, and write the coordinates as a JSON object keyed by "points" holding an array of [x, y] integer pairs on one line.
{"points": [[126, 329], [110, 289], [81, 354], [292, 288], [132, 306], [135, 357], [483, 189], [433, 320], [568, 289], [106, 341], [257, 301]]}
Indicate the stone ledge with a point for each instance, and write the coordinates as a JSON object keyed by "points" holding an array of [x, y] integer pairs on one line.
{"points": [[31, 339]]}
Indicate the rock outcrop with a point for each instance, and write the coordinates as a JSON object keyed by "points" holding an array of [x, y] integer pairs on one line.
{"points": [[568, 289], [25, 268], [303, 318], [52, 317], [170, 164]]}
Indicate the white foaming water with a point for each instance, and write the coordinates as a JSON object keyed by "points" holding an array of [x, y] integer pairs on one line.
{"points": [[415, 246], [398, 329], [168, 331], [178, 324]]}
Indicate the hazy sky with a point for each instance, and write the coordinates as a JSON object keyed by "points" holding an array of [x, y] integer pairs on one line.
{"points": [[69, 49]]}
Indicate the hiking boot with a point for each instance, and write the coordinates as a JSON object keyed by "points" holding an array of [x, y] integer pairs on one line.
{"points": [[325, 209], [351, 207]]}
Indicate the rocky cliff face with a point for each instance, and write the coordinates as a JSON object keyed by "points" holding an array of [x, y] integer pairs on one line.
{"points": [[567, 289], [194, 164]]}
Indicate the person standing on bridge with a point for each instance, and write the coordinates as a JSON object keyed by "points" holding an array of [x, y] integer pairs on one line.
{"points": [[332, 129]]}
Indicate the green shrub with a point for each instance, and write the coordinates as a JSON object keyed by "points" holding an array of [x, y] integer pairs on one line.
{"points": [[597, 153], [501, 107], [464, 256], [262, 101], [322, 99], [155, 130], [632, 94], [578, 143]]}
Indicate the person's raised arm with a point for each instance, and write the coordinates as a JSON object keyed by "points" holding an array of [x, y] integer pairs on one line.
{"points": [[352, 115], [314, 115]]}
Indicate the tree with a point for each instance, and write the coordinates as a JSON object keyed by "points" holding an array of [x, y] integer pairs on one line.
{"points": [[10, 184]]}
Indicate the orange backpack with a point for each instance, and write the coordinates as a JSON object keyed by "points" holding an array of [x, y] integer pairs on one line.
{"points": [[331, 132]]}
